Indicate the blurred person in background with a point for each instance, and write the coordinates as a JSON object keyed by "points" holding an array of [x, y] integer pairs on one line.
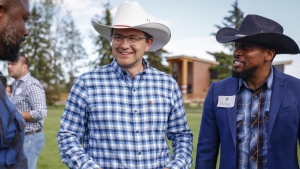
{"points": [[8, 90], [3, 80], [29, 98]]}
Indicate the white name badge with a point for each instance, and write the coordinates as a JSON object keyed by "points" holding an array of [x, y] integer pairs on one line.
{"points": [[18, 91], [226, 101]]}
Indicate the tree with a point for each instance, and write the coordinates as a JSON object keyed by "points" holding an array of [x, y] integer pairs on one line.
{"points": [[53, 43], [234, 20], [38, 44], [224, 68], [155, 60], [72, 49], [103, 47]]}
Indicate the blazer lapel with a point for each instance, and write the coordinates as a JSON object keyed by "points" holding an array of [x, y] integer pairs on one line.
{"points": [[231, 90], [278, 90]]}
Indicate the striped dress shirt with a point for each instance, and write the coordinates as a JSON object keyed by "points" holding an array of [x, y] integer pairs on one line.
{"points": [[112, 120]]}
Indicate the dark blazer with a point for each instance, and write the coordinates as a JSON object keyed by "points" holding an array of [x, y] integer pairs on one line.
{"points": [[12, 126], [218, 126]]}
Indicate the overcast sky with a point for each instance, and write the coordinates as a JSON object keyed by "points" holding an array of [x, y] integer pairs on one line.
{"points": [[192, 21]]}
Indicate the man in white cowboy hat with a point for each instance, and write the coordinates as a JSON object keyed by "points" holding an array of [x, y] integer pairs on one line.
{"points": [[255, 114], [121, 115]]}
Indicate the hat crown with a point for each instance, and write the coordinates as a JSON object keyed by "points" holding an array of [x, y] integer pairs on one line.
{"points": [[130, 14], [255, 24]]}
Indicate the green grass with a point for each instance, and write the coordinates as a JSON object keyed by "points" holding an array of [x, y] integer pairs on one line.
{"points": [[50, 158], [194, 117]]}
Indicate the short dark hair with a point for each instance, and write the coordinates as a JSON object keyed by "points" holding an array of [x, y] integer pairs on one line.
{"points": [[25, 59], [147, 35]]}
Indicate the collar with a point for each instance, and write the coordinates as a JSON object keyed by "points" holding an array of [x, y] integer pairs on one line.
{"points": [[24, 78], [121, 72], [268, 82]]}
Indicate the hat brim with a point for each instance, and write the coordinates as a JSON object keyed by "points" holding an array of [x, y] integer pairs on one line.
{"points": [[161, 33], [281, 43]]}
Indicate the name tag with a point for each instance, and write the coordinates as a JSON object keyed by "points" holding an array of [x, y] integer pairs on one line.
{"points": [[226, 101], [18, 91]]}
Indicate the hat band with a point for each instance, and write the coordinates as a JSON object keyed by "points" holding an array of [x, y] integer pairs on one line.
{"points": [[122, 26], [240, 35]]}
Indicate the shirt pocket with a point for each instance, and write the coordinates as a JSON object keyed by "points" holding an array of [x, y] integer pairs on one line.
{"points": [[156, 113]]}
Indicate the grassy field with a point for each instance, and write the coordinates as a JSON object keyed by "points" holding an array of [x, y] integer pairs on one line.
{"points": [[50, 158]]}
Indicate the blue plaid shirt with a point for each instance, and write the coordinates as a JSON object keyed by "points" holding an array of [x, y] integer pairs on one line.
{"points": [[252, 124], [112, 120]]}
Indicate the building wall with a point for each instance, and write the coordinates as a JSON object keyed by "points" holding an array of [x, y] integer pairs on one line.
{"points": [[200, 75], [190, 77], [201, 80], [179, 72]]}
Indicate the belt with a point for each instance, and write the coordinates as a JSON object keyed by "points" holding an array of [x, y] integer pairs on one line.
{"points": [[33, 131]]}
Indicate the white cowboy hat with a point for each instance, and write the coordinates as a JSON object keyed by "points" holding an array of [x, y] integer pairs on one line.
{"points": [[132, 15]]}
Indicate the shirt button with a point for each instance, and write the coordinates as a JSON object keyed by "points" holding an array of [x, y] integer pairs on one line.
{"points": [[139, 153], [133, 90], [135, 111], [137, 131]]}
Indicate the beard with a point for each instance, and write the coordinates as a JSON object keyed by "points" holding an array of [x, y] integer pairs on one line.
{"points": [[246, 73], [11, 43]]}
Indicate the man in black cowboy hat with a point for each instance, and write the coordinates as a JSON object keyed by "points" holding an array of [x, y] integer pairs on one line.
{"points": [[255, 114]]}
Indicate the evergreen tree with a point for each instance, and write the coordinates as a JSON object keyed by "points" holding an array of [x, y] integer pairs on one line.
{"points": [[234, 20], [72, 49], [103, 47], [155, 60], [37, 46], [57, 40], [224, 68], [52, 46]]}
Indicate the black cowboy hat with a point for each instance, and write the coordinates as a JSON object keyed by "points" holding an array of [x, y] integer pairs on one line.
{"points": [[261, 30]]}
